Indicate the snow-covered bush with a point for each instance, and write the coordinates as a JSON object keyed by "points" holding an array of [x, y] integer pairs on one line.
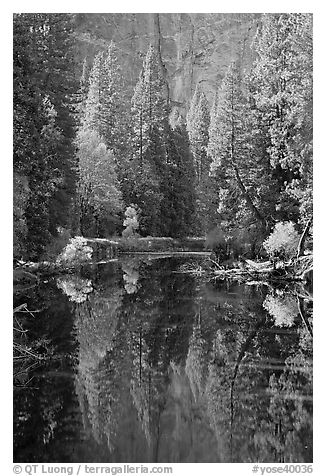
{"points": [[283, 241], [130, 222], [76, 252]]}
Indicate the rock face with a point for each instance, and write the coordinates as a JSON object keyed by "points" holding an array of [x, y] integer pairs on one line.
{"points": [[194, 47]]}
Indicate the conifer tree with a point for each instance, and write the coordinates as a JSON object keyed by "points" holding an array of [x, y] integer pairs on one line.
{"points": [[230, 150], [282, 92], [100, 129], [60, 88], [179, 198], [198, 120], [43, 123], [92, 114], [198, 135], [149, 154], [103, 108]]}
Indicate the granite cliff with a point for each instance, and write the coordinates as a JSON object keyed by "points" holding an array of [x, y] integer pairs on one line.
{"points": [[194, 47]]}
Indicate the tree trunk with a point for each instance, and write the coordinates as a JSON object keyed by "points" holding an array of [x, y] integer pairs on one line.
{"points": [[303, 238], [247, 197]]}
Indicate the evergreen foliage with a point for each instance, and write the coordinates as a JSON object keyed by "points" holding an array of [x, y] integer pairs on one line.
{"points": [[162, 169], [282, 94], [232, 155], [198, 122], [103, 105], [44, 87]]}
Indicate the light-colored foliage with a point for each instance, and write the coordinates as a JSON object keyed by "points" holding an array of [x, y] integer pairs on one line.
{"points": [[130, 222], [99, 185], [130, 277], [75, 253], [104, 98], [283, 241], [283, 309]]}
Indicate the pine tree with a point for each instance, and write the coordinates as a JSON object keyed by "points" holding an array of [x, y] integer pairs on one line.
{"points": [[198, 120], [178, 206], [107, 112], [60, 87], [149, 114], [282, 83], [103, 108], [149, 106], [43, 123], [101, 128], [230, 150], [302, 115], [27, 123], [92, 114]]}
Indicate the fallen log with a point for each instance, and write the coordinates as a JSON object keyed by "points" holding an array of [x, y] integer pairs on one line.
{"points": [[297, 270], [258, 265]]}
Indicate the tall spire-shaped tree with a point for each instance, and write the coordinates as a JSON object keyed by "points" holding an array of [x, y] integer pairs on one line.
{"points": [[91, 117], [149, 107], [99, 142], [198, 120], [103, 109], [149, 139], [229, 148]]}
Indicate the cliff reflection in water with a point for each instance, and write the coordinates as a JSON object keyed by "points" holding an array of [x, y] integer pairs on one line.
{"points": [[172, 369]]}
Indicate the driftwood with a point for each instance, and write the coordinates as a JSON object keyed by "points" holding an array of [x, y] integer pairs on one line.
{"points": [[296, 270], [44, 268]]}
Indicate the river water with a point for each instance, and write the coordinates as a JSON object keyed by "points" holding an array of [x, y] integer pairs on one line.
{"points": [[146, 363]]}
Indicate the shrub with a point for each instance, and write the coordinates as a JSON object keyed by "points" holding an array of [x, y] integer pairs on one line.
{"points": [[130, 222], [75, 253], [283, 241]]}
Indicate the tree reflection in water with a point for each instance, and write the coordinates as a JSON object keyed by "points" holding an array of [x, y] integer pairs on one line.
{"points": [[172, 369]]}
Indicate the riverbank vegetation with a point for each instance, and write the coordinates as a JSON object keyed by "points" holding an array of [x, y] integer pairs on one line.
{"points": [[91, 160]]}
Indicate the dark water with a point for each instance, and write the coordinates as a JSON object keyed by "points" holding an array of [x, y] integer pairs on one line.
{"points": [[146, 364]]}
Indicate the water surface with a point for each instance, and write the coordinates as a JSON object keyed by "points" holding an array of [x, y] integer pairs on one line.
{"points": [[148, 364]]}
